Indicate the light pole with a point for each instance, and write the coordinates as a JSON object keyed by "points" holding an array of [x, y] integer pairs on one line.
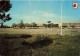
{"points": [[61, 19]]}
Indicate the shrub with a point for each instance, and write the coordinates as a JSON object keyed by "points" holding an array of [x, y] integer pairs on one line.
{"points": [[43, 37]]}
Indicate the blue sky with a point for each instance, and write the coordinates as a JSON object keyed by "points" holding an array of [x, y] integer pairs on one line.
{"points": [[42, 11]]}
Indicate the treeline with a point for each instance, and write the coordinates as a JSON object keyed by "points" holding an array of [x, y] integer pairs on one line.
{"points": [[22, 25], [5, 26], [33, 24], [50, 25]]}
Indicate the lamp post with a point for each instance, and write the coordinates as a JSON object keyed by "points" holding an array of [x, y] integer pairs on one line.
{"points": [[61, 19]]}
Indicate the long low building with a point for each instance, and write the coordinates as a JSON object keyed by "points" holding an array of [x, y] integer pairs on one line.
{"points": [[75, 24]]}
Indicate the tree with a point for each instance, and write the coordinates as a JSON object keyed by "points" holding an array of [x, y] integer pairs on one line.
{"points": [[4, 7], [33, 24], [14, 25], [21, 24], [49, 24], [27, 25], [45, 25]]}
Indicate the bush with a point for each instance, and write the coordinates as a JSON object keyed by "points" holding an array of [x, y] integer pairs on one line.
{"points": [[42, 37]]}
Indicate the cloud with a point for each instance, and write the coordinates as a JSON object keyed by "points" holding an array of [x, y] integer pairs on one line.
{"points": [[45, 14], [38, 15], [50, 15], [29, 17]]}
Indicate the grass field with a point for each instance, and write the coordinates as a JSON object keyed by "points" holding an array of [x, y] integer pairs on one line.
{"points": [[39, 42], [54, 31]]}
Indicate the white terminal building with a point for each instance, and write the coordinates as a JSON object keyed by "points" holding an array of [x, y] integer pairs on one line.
{"points": [[75, 24]]}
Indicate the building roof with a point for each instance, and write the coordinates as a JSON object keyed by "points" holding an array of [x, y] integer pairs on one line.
{"points": [[72, 22]]}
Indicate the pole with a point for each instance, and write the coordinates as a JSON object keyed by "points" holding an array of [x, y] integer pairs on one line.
{"points": [[61, 19], [41, 22]]}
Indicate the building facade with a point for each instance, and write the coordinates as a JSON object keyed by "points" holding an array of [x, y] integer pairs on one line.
{"points": [[70, 24]]}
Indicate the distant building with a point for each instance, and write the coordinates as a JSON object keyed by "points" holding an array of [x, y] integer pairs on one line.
{"points": [[40, 24], [70, 24], [64, 24], [10, 26]]}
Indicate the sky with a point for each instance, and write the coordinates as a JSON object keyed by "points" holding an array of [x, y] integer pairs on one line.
{"points": [[41, 11]]}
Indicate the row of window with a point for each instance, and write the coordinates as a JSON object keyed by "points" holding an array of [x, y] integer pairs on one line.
{"points": [[71, 23]]}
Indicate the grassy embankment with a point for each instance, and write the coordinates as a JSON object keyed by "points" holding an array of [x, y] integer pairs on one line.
{"points": [[39, 45]]}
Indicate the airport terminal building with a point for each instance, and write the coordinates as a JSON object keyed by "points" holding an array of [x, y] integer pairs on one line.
{"points": [[75, 24], [70, 24]]}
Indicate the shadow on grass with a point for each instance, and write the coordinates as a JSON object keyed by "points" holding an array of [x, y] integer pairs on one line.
{"points": [[5, 46], [8, 41], [38, 44], [25, 36], [7, 36]]}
